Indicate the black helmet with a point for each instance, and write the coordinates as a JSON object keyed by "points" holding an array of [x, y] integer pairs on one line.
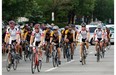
{"points": [[83, 24]]}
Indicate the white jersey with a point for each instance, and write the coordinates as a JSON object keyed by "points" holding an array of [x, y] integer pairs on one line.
{"points": [[13, 33], [37, 35], [83, 33], [98, 33]]}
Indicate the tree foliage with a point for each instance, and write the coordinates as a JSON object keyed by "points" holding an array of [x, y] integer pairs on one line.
{"points": [[65, 10]]}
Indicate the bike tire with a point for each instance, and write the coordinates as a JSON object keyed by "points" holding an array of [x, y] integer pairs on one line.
{"points": [[47, 55], [39, 66], [98, 56], [8, 65], [15, 63], [109, 46], [64, 52], [25, 54], [30, 54], [53, 59], [103, 53], [33, 66], [57, 63]]}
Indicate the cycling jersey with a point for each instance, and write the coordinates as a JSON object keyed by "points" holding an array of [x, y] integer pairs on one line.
{"points": [[98, 33], [37, 36], [55, 36], [12, 33], [47, 35], [83, 33], [70, 35]]}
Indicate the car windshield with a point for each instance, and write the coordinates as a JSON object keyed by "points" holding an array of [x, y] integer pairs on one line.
{"points": [[92, 29]]}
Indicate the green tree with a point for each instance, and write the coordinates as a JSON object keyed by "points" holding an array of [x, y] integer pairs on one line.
{"points": [[104, 10]]}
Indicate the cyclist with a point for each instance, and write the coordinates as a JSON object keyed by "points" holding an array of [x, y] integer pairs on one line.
{"points": [[47, 33], [98, 37], [108, 34], [13, 34], [85, 35], [70, 38], [55, 37], [37, 38], [24, 33], [105, 37]]}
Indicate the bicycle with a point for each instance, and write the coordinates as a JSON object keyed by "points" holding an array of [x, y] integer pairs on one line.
{"points": [[98, 52], [68, 52], [35, 61], [55, 56], [64, 50], [103, 49], [47, 52], [108, 45], [84, 54], [27, 53], [12, 59]]}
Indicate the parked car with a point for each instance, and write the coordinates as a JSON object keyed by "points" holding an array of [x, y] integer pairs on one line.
{"points": [[112, 34]]}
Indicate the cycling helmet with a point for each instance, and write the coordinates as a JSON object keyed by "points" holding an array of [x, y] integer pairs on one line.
{"points": [[48, 26], [11, 22], [36, 26], [104, 28], [55, 27], [83, 24], [99, 26], [66, 27]]}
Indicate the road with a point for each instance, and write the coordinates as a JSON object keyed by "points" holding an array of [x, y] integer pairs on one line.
{"points": [[74, 67]]}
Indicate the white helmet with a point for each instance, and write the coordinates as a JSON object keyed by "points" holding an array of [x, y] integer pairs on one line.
{"points": [[99, 26], [104, 28], [55, 27], [48, 26]]}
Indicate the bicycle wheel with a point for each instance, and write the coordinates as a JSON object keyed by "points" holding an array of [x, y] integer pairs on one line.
{"points": [[33, 65], [98, 55], [39, 66], [109, 46], [30, 54], [47, 55], [68, 54], [9, 62], [83, 58], [64, 52], [56, 60], [53, 58], [25, 54], [103, 52], [15, 62]]}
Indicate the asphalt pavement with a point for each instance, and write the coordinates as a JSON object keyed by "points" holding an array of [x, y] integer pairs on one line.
{"points": [[74, 67]]}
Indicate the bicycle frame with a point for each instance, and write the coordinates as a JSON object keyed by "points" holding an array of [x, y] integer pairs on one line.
{"points": [[35, 51]]}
